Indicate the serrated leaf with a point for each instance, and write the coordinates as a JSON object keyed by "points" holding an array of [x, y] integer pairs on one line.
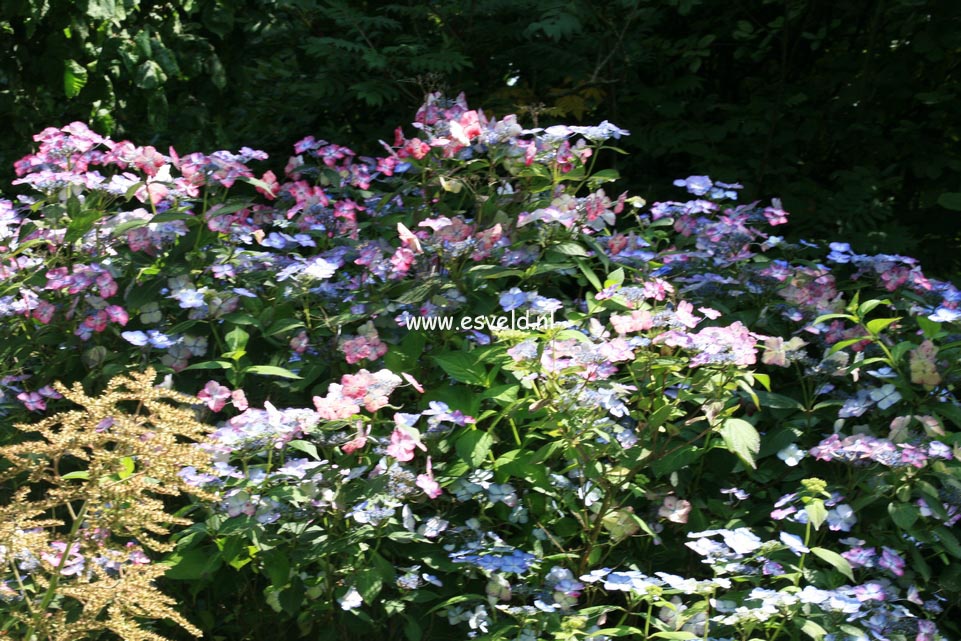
{"points": [[123, 228], [304, 446], [948, 540], [904, 515], [74, 78], [659, 416], [166, 59], [839, 562], [417, 294], [283, 326], [369, 583], [236, 339], [462, 367], [473, 446], [742, 439], [502, 394], [193, 564], [778, 401]]}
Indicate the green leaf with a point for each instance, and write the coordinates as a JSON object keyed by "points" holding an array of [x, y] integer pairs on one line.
{"points": [[742, 439], [283, 326], [79, 475], [590, 275], [412, 629], [877, 325], [838, 346], [839, 562], [462, 367], [813, 630], [241, 318], [868, 306], [778, 401], [616, 277], [127, 467], [211, 365], [817, 513], [570, 249], [74, 78], [80, 223], [948, 540], [418, 293], [502, 394], [824, 317], [277, 567], [166, 59], [368, 582], [106, 10], [473, 446], [195, 563], [304, 446], [271, 370], [930, 328], [234, 552], [660, 416], [904, 515], [675, 635], [855, 632], [605, 176], [123, 228], [950, 200], [237, 339], [168, 216], [150, 76]]}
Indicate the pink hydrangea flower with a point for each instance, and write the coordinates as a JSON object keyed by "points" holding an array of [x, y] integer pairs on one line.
{"points": [[335, 406], [32, 401], [427, 483], [214, 395], [403, 441]]}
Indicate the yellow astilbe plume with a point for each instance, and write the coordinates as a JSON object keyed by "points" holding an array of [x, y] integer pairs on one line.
{"points": [[91, 493]]}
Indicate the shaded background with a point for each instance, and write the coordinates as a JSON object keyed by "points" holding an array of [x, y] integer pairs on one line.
{"points": [[846, 110]]}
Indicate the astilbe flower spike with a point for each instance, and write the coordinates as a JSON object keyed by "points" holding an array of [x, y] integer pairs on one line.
{"points": [[105, 468]]}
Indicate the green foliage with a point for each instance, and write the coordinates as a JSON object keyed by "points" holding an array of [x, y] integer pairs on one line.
{"points": [[848, 109]]}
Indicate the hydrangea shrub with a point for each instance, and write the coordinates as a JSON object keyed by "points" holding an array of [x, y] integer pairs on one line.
{"points": [[700, 430]]}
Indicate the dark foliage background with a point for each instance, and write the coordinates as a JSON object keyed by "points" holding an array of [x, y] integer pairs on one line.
{"points": [[847, 110]]}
